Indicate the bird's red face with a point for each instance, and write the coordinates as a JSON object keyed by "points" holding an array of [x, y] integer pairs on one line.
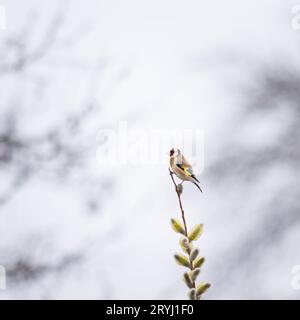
{"points": [[172, 151]]}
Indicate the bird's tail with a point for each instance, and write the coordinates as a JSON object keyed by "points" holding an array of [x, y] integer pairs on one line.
{"points": [[196, 184], [195, 178]]}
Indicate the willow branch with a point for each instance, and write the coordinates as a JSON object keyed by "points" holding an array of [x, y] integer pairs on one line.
{"points": [[193, 262], [182, 216]]}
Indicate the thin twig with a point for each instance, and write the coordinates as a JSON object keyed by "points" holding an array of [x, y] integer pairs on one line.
{"points": [[183, 219], [180, 204]]}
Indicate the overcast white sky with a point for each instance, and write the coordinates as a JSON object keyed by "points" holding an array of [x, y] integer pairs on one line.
{"points": [[155, 65]]}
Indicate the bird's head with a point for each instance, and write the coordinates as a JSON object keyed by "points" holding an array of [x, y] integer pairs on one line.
{"points": [[174, 152]]}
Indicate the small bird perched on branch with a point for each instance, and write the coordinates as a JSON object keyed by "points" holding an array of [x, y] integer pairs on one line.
{"points": [[182, 169]]}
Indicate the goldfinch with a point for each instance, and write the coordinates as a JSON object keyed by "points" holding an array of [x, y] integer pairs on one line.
{"points": [[182, 169]]}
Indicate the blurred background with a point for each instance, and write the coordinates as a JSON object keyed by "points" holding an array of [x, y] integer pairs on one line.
{"points": [[71, 228]]}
